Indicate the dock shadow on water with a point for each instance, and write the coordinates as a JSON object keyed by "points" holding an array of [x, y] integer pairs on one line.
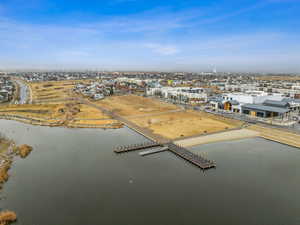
{"points": [[73, 177]]}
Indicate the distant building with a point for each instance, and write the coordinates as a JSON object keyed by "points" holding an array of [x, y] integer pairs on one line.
{"points": [[265, 110], [233, 102], [180, 94]]}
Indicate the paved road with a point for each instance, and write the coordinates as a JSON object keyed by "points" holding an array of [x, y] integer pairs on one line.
{"points": [[23, 92]]}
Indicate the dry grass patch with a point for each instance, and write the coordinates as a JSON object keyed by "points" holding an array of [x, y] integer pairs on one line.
{"points": [[278, 134], [185, 124], [132, 105], [51, 90], [88, 112], [7, 217], [161, 118], [32, 111], [97, 123], [23, 150], [4, 173], [59, 114]]}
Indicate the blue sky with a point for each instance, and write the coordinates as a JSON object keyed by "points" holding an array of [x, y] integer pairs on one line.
{"points": [[172, 35]]}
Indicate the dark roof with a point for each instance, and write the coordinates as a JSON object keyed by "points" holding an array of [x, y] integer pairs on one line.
{"points": [[291, 100], [276, 103], [265, 108]]}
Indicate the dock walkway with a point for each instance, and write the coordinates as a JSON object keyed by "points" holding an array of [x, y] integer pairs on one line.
{"points": [[153, 151], [157, 140], [135, 147], [191, 157]]}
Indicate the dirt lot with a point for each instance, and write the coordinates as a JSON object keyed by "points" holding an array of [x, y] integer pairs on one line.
{"points": [[165, 119]]}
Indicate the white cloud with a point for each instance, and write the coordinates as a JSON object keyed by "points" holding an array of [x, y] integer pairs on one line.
{"points": [[125, 43], [163, 49]]}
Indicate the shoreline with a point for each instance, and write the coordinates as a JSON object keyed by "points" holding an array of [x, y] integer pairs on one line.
{"points": [[8, 153], [60, 123], [217, 137]]}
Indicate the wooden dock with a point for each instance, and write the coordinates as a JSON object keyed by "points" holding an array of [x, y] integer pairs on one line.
{"points": [[176, 149], [191, 157], [135, 147], [153, 151]]}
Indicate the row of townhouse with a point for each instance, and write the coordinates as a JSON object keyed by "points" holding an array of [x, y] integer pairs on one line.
{"points": [[185, 95]]}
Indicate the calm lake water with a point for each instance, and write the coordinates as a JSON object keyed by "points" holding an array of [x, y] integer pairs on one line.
{"points": [[73, 178]]}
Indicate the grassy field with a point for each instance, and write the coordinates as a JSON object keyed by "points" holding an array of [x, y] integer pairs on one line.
{"points": [[132, 105], [185, 124], [52, 106], [165, 119], [4, 144], [161, 118], [60, 114], [52, 90]]}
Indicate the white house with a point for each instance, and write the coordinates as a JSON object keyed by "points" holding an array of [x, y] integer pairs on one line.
{"points": [[180, 94], [234, 101]]}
